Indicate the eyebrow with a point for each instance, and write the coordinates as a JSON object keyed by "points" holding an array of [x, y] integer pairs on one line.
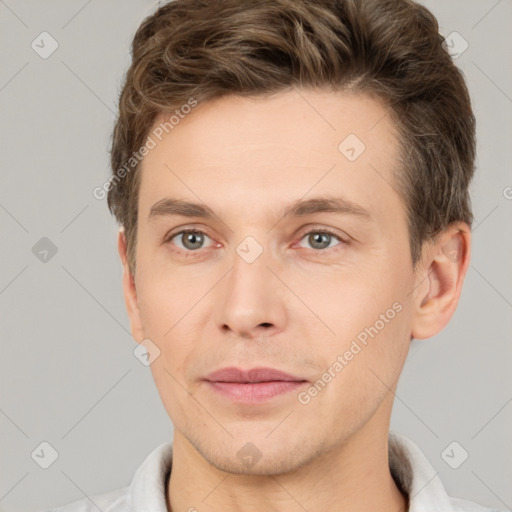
{"points": [[328, 204]]}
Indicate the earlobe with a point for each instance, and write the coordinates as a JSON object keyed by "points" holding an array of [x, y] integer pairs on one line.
{"points": [[443, 271], [129, 290]]}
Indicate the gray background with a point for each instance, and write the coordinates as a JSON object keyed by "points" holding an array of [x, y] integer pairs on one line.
{"points": [[68, 374]]}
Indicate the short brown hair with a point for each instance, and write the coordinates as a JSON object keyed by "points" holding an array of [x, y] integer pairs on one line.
{"points": [[391, 49]]}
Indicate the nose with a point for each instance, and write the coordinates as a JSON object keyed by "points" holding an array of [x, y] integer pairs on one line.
{"points": [[251, 300]]}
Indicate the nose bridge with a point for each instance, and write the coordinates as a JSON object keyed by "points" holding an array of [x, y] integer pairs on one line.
{"points": [[250, 276], [250, 296], [250, 264]]}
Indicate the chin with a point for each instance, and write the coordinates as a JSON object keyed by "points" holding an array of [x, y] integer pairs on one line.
{"points": [[259, 457]]}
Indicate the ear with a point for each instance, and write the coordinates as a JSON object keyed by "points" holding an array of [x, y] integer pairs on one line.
{"points": [[129, 291], [440, 277]]}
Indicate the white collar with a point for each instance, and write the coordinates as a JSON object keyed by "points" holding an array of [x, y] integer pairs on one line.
{"points": [[416, 477]]}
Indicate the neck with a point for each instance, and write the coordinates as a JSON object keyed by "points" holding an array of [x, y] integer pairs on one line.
{"points": [[354, 476]]}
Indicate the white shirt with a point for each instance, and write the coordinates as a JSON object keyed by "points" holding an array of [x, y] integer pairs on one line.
{"points": [[411, 470]]}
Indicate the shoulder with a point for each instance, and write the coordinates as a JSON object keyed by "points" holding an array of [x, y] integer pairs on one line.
{"points": [[113, 501], [145, 493], [460, 505]]}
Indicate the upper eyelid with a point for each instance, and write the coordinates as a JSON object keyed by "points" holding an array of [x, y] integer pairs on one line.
{"points": [[341, 238], [171, 236]]}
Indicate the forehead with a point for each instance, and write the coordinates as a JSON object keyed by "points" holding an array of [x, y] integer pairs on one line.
{"points": [[243, 151]]}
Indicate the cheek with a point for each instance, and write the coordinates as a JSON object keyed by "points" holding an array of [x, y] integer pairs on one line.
{"points": [[167, 299], [360, 373], [346, 301], [369, 331], [172, 309]]}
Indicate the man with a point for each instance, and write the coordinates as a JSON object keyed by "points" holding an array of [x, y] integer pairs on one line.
{"points": [[291, 180]]}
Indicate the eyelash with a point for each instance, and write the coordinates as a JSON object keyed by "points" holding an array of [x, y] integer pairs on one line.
{"points": [[315, 231]]}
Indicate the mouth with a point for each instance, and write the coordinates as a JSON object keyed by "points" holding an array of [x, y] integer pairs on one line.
{"points": [[252, 386]]}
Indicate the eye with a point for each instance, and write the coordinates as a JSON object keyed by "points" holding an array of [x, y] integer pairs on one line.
{"points": [[321, 239], [190, 240]]}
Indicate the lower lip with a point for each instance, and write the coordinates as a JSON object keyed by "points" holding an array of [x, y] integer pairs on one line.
{"points": [[254, 392]]}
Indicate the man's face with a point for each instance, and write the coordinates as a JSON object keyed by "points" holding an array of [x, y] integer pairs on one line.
{"points": [[257, 288]]}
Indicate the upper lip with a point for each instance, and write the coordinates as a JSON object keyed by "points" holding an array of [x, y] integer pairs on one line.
{"points": [[262, 374]]}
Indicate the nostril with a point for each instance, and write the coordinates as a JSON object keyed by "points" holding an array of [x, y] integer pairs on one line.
{"points": [[266, 324]]}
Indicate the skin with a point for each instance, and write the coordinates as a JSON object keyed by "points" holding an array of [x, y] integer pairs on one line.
{"points": [[297, 307]]}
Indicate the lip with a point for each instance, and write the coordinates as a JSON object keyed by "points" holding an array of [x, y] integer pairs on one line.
{"points": [[251, 386], [253, 375]]}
